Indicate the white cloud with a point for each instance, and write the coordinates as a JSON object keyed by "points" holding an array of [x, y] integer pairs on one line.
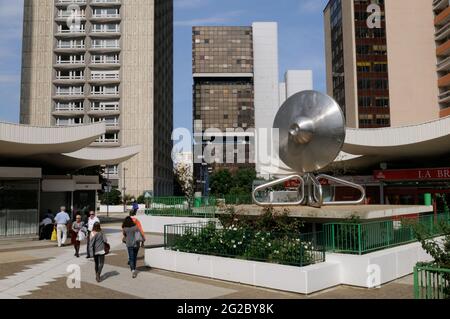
{"points": [[226, 17]]}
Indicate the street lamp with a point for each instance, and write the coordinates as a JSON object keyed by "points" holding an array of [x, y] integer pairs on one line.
{"points": [[124, 189]]}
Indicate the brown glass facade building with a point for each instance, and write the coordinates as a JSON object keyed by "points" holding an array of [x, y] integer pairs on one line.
{"points": [[441, 10], [381, 60], [371, 64], [223, 92]]}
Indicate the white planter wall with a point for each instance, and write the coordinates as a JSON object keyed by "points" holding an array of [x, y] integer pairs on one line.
{"points": [[303, 280], [389, 264], [155, 224]]}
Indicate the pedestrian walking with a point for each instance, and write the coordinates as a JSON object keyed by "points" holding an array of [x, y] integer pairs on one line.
{"points": [[46, 227], [78, 234], [92, 220], [135, 207], [133, 238], [61, 221], [98, 248]]}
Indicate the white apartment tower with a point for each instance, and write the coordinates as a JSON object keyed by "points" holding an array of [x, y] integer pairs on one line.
{"points": [[86, 61]]}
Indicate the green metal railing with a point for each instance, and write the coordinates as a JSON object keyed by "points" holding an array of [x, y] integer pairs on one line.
{"points": [[431, 282], [204, 207], [362, 238], [197, 207], [238, 199], [281, 248]]}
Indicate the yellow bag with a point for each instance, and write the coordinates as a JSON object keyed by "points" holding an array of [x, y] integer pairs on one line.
{"points": [[54, 235]]}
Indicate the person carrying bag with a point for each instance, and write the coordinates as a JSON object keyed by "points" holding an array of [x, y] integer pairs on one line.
{"points": [[133, 239]]}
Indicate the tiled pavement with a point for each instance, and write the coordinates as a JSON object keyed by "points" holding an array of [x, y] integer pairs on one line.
{"points": [[40, 273]]}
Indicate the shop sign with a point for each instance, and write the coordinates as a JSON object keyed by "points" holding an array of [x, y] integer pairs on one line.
{"points": [[413, 174]]}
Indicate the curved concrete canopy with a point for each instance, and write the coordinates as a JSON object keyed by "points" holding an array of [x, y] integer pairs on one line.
{"points": [[22, 140], [90, 156], [367, 147], [427, 139]]}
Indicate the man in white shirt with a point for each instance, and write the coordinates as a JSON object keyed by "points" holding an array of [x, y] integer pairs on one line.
{"points": [[92, 220], [61, 221]]}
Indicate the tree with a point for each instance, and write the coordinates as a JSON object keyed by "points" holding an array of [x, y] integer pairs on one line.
{"points": [[114, 197], [244, 178], [184, 177], [221, 182]]}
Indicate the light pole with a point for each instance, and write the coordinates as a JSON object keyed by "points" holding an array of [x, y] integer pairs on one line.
{"points": [[108, 189], [124, 189]]}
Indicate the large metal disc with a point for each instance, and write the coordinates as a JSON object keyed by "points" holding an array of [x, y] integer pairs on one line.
{"points": [[311, 130]]}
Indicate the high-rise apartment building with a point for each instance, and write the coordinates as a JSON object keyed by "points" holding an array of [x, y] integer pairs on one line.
{"points": [[381, 61], [87, 61], [442, 24]]}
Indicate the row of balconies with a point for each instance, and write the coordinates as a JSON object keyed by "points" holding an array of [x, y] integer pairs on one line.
{"points": [[80, 29], [103, 13], [84, 2], [95, 44], [110, 122], [77, 91], [77, 75], [95, 59], [95, 107]]}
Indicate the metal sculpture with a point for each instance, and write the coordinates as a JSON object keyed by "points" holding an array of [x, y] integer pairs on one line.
{"points": [[311, 135]]}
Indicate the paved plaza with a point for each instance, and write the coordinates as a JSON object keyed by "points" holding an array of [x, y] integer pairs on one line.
{"points": [[38, 270]]}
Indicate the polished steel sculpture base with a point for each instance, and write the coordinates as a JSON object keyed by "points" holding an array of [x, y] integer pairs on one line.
{"points": [[310, 191]]}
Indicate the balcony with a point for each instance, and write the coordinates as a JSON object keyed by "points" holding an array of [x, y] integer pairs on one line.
{"points": [[112, 124], [108, 3], [105, 31], [444, 65], [108, 140], [69, 79], [443, 17], [71, 32], [63, 15], [105, 77], [62, 123], [444, 112], [68, 109], [444, 81], [68, 93], [443, 32], [106, 17], [105, 46], [439, 5], [69, 2], [64, 47], [107, 108], [443, 49], [444, 97], [105, 62]]}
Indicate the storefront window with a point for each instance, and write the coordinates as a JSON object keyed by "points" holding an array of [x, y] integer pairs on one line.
{"points": [[19, 213]]}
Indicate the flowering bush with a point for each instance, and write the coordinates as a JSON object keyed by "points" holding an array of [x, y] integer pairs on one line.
{"points": [[247, 243]]}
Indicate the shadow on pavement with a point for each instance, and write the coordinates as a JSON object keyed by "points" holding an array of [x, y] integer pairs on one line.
{"points": [[110, 274]]}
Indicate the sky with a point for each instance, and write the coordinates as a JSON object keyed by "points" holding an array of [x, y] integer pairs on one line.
{"points": [[301, 43]]}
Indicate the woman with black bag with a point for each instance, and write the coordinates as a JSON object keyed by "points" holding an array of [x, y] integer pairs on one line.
{"points": [[132, 238], [98, 248]]}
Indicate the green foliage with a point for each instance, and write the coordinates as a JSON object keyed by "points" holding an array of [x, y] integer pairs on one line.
{"points": [[240, 183], [221, 182], [246, 243], [112, 198], [438, 249], [272, 237]]}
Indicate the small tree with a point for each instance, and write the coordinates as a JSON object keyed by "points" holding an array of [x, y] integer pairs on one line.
{"points": [[184, 177], [221, 182], [114, 197]]}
